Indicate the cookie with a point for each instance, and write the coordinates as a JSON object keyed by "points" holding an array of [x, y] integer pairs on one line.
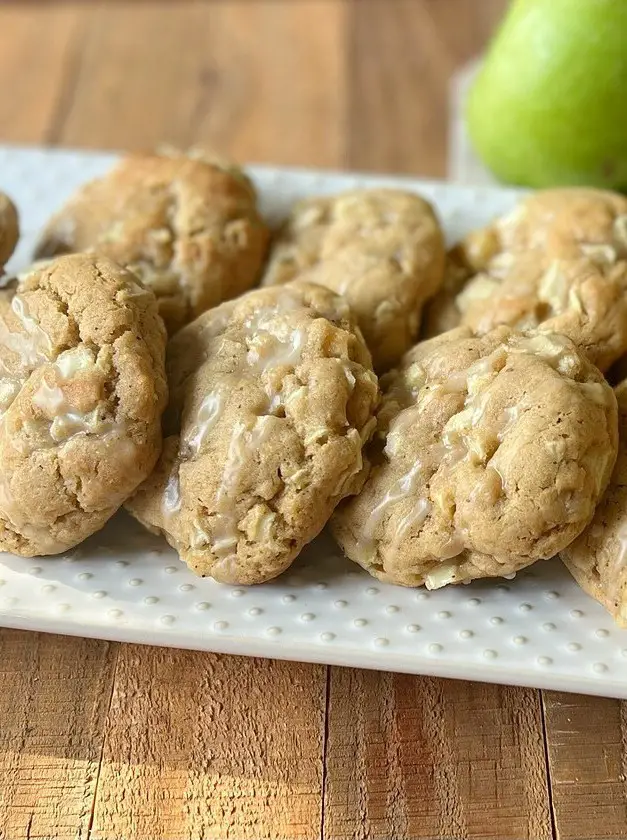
{"points": [[557, 262], [381, 249], [272, 399], [491, 453], [82, 390], [188, 228], [9, 229], [598, 558]]}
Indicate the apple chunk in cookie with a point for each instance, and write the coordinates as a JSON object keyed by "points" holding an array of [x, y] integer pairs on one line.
{"points": [[490, 453], [381, 249], [598, 558], [556, 262], [82, 390], [272, 400], [187, 227]]}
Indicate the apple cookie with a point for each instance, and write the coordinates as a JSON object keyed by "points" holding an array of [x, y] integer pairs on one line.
{"points": [[188, 228], [82, 390], [598, 558], [556, 262], [381, 249], [9, 229], [272, 399], [491, 452]]}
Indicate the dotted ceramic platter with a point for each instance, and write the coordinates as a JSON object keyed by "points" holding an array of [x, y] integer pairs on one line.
{"points": [[538, 629]]}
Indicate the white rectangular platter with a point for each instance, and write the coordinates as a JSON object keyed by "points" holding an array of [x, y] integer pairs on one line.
{"points": [[123, 584]]}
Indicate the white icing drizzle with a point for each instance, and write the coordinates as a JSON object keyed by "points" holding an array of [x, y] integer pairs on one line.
{"points": [[272, 342], [49, 398], [35, 346], [209, 413], [403, 487], [619, 562], [458, 443], [66, 421], [171, 500], [244, 441]]}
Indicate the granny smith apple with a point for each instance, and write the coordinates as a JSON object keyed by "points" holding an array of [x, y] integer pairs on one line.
{"points": [[549, 104]]}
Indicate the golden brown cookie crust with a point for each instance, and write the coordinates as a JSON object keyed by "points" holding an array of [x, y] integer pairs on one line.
{"points": [[82, 389], [491, 452], [598, 558], [188, 228], [9, 229], [272, 398], [557, 262], [381, 249]]}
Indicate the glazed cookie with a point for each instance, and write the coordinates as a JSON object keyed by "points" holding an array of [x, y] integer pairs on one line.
{"points": [[598, 558], [491, 453], [9, 229], [82, 389], [381, 249], [189, 229], [558, 261], [272, 399]]}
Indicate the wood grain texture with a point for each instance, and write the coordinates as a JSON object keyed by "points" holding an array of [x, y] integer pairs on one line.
{"points": [[212, 747], [416, 757], [402, 54], [195, 746], [38, 50], [53, 705], [55, 690], [259, 80], [587, 751], [435, 758]]}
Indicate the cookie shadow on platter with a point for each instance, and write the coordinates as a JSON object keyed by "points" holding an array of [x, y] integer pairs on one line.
{"points": [[130, 556]]}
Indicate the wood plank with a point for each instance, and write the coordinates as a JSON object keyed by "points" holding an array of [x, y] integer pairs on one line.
{"points": [[435, 758], [587, 750], [402, 54], [210, 746], [261, 80], [196, 746], [53, 704], [38, 53], [416, 757], [55, 691]]}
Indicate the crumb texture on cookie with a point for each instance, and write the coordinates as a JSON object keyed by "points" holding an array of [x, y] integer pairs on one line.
{"points": [[381, 249], [490, 453], [557, 262], [187, 227], [9, 229], [272, 399], [82, 390], [598, 558]]}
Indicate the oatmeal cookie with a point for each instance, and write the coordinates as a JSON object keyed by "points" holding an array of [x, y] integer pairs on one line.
{"points": [[272, 399], [491, 452], [9, 229], [82, 389], [381, 249], [557, 262], [189, 229], [598, 558]]}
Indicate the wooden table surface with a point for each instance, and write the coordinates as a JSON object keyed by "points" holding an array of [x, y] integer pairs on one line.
{"points": [[114, 741]]}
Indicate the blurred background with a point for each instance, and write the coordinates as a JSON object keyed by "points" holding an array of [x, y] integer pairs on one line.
{"points": [[334, 83]]}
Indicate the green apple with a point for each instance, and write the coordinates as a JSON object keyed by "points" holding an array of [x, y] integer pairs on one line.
{"points": [[549, 104]]}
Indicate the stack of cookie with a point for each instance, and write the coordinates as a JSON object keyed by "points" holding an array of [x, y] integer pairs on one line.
{"points": [[487, 446], [497, 435]]}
